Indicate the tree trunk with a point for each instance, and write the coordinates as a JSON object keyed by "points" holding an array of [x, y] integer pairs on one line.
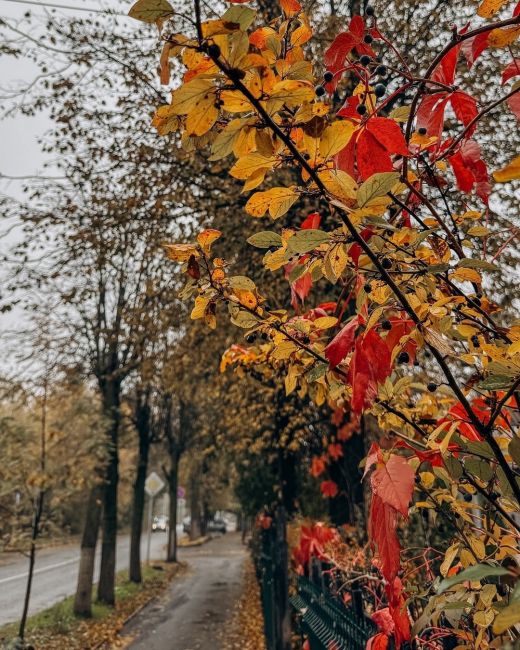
{"points": [[143, 429], [106, 586], [83, 598], [173, 483], [195, 527]]}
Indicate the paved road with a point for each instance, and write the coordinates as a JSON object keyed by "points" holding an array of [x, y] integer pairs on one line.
{"points": [[192, 615], [55, 575]]}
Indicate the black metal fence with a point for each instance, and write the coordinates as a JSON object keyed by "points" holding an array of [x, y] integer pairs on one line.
{"points": [[318, 614]]}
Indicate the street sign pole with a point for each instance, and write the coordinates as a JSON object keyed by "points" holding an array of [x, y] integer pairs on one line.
{"points": [[150, 518], [153, 485]]}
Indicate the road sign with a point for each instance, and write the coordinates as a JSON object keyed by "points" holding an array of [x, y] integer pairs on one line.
{"points": [[153, 485]]}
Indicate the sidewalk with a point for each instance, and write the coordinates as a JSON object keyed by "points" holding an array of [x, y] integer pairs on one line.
{"points": [[200, 607]]}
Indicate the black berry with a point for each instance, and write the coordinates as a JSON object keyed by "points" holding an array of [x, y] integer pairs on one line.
{"points": [[468, 498], [475, 341], [250, 338], [386, 325], [320, 91], [365, 59], [264, 336], [386, 263], [361, 109], [306, 340], [380, 90], [369, 11], [367, 288], [328, 76], [214, 51], [432, 387], [417, 479], [422, 131], [368, 39], [381, 70], [403, 357]]}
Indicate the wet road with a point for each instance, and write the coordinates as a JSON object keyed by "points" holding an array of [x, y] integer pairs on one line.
{"points": [[192, 615], [55, 575]]}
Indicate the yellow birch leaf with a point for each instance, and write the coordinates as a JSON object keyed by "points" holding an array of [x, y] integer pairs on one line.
{"points": [[449, 556], [484, 617], [502, 37], [234, 102], [340, 184], [466, 275], [249, 164], [207, 237], [149, 11], [200, 307], [507, 618], [325, 322], [202, 116], [510, 172], [488, 8], [185, 98], [479, 231], [180, 252], [335, 138], [277, 201], [256, 179], [246, 298], [301, 34], [291, 92]]}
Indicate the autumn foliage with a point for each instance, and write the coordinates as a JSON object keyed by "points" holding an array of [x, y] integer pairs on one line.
{"points": [[375, 166]]}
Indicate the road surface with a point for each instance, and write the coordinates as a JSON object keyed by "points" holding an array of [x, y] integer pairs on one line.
{"points": [[193, 613], [55, 575]]}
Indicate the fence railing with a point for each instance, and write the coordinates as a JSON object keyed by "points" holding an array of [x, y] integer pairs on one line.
{"points": [[327, 623]]}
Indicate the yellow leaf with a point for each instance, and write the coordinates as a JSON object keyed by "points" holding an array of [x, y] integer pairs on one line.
{"points": [[207, 237], [251, 163], [488, 8], [508, 617], [479, 231], [484, 617], [246, 298], [202, 116], [335, 138], [290, 92], [180, 252], [277, 201], [284, 350], [449, 556], [340, 184], [466, 275], [200, 307], [325, 322], [185, 98], [234, 101], [510, 172], [301, 34], [503, 37], [149, 11], [223, 144]]}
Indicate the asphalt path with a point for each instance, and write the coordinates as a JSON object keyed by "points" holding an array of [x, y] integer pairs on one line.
{"points": [[195, 611], [55, 574]]}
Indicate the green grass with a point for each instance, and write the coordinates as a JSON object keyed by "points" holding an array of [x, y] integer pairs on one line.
{"points": [[60, 618]]}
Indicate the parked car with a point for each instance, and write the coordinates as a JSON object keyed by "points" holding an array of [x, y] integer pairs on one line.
{"points": [[160, 523], [213, 526]]}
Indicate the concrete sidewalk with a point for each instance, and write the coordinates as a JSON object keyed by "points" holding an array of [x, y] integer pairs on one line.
{"points": [[195, 611]]}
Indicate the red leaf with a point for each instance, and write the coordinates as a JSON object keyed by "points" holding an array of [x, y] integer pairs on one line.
{"points": [[516, 11], [372, 158], [382, 525], [342, 343], [430, 114], [377, 642], [384, 621], [472, 48], [329, 489], [465, 107], [346, 158], [445, 70], [511, 70], [378, 355], [398, 611], [388, 134], [344, 43], [318, 466], [393, 483], [312, 221], [514, 105], [464, 176]]}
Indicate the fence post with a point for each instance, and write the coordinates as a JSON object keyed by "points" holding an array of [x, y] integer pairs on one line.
{"points": [[281, 582]]}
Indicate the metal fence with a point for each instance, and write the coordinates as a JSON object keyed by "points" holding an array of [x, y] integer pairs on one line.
{"points": [[326, 622], [318, 613]]}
